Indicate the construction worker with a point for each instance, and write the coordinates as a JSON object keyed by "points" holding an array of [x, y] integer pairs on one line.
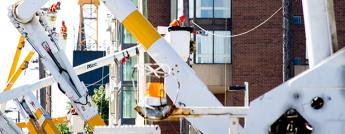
{"points": [[64, 30], [178, 22], [52, 10]]}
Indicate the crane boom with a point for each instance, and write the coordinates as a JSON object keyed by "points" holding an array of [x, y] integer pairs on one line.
{"points": [[157, 47]]}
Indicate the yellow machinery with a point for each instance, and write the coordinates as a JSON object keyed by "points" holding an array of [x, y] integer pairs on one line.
{"points": [[39, 123]]}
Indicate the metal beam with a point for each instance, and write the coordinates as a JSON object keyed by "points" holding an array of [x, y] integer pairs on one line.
{"points": [[320, 29]]}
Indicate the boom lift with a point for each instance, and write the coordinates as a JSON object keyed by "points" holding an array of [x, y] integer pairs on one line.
{"points": [[315, 94], [32, 23], [28, 110], [49, 48], [38, 119], [86, 67]]}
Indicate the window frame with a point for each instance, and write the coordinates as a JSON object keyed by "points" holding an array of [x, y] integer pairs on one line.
{"points": [[193, 11], [126, 83], [213, 50]]}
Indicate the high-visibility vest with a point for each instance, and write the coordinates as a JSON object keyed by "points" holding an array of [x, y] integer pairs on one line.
{"points": [[174, 23], [64, 29]]}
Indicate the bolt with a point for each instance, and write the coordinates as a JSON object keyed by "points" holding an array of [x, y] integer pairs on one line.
{"points": [[317, 103]]}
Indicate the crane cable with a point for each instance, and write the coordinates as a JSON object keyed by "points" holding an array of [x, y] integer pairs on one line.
{"points": [[240, 34]]}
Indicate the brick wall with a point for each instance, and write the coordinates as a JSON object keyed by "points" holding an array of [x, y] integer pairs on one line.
{"points": [[169, 127], [297, 33], [340, 21], [158, 12], [256, 56]]}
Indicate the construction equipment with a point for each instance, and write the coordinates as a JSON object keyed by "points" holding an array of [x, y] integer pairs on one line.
{"points": [[37, 118], [32, 23], [47, 44], [86, 67], [88, 25], [315, 94]]}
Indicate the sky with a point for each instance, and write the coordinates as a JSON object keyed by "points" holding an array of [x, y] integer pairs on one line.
{"points": [[9, 37]]}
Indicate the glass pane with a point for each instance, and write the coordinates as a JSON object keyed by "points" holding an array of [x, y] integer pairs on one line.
{"points": [[128, 38], [204, 49], [219, 3], [179, 8], [191, 8], [219, 13], [206, 3], [222, 8], [128, 69], [128, 102], [222, 47], [206, 14], [204, 8]]}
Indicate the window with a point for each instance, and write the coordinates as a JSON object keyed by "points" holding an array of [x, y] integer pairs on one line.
{"points": [[221, 47], [128, 102], [222, 9], [204, 47], [213, 49], [128, 74], [210, 8], [128, 92], [179, 8], [128, 38], [297, 20]]}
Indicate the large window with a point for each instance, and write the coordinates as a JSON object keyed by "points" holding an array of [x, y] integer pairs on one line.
{"points": [[213, 48], [128, 38], [128, 92], [210, 8], [128, 73], [128, 102]]}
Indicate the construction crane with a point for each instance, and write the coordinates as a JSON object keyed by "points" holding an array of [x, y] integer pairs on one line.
{"points": [[38, 33], [37, 119], [315, 94], [47, 44], [86, 67], [88, 25]]}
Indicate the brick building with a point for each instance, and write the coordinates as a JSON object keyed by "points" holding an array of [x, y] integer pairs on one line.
{"points": [[255, 57]]}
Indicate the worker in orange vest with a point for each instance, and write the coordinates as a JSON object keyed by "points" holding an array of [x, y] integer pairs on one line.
{"points": [[178, 22], [64, 30]]}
